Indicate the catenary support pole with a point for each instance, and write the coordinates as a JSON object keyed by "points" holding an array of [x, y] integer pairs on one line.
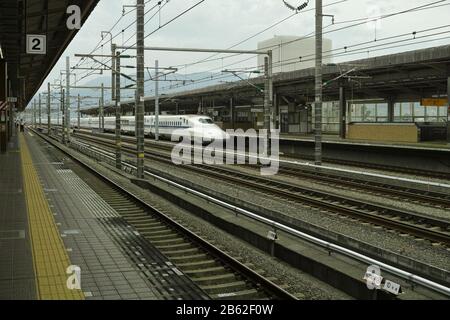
{"points": [[156, 100], [118, 115], [101, 120], [63, 109], [318, 86], [140, 88], [40, 112], [67, 104], [49, 109], [342, 113], [78, 111]]}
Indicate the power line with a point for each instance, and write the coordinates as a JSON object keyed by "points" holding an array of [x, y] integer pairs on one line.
{"points": [[257, 34], [132, 36], [366, 19], [351, 52]]}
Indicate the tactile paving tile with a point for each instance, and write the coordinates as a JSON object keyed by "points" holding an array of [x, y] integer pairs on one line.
{"points": [[116, 262], [49, 255], [16, 265]]}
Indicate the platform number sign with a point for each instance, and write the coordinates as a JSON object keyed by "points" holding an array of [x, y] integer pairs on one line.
{"points": [[36, 44]]}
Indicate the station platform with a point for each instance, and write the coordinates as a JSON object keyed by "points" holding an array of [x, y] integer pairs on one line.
{"points": [[328, 139], [429, 158], [53, 224]]}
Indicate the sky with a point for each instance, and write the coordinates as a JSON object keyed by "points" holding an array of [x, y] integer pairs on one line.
{"points": [[223, 24]]}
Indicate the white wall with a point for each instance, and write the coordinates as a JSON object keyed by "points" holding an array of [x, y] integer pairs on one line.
{"points": [[286, 52]]}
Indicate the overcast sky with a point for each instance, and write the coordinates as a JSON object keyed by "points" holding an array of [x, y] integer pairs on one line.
{"points": [[223, 23]]}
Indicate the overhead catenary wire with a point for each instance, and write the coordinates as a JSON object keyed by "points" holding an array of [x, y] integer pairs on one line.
{"points": [[88, 73], [431, 5], [417, 8], [371, 48], [311, 35]]}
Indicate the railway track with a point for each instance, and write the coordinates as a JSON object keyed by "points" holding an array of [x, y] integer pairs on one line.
{"points": [[219, 275], [419, 225], [432, 199], [358, 164]]}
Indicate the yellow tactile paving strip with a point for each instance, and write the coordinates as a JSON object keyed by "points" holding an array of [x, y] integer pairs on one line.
{"points": [[50, 258]]}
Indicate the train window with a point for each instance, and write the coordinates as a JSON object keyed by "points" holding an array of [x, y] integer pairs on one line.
{"points": [[205, 120]]}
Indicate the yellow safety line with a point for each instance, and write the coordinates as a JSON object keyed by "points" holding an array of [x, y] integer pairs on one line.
{"points": [[50, 258]]}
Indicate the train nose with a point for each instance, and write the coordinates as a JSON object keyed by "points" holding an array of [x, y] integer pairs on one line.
{"points": [[218, 135]]}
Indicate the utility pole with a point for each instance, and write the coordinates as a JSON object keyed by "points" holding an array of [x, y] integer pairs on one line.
{"points": [[58, 113], [67, 104], [156, 100], [40, 112], [78, 111], [268, 94], [140, 88], [101, 119], [34, 113], [318, 86], [63, 118], [49, 111], [113, 68], [118, 113]]}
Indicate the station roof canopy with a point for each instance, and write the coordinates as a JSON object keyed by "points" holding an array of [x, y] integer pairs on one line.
{"points": [[26, 72], [410, 75]]}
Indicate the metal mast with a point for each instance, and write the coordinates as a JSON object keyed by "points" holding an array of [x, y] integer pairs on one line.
{"points": [[49, 111], [140, 88], [318, 86], [67, 105]]}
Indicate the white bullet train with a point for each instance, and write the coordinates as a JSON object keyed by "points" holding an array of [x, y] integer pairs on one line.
{"points": [[195, 126]]}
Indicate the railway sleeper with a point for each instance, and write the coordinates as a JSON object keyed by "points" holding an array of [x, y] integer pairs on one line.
{"points": [[184, 245], [192, 265], [249, 294], [234, 286], [181, 252], [205, 272], [218, 279], [162, 236], [174, 241], [190, 258]]}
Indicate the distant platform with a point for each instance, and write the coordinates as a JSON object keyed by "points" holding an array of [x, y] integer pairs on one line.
{"points": [[334, 139]]}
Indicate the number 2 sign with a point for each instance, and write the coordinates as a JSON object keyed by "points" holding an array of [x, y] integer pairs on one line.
{"points": [[36, 44]]}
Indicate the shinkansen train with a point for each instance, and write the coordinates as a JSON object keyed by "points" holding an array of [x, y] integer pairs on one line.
{"points": [[196, 126]]}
